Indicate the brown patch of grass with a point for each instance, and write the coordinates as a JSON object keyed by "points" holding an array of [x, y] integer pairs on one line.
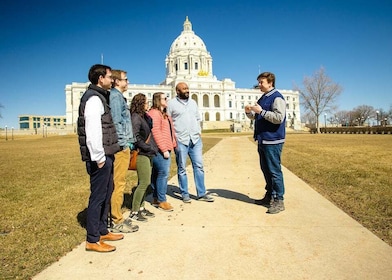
{"points": [[352, 171], [44, 190]]}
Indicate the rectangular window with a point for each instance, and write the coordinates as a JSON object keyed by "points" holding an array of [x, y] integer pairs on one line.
{"points": [[186, 65], [230, 104], [196, 66]]}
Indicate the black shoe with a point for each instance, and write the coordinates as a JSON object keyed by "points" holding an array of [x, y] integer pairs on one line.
{"points": [[138, 217], [147, 213]]}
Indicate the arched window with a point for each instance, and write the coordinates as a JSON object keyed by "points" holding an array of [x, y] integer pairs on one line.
{"points": [[194, 97], [207, 116], [206, 102], [216, 101], [217, 116]]}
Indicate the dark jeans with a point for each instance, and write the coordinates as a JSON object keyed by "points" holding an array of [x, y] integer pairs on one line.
{"points": [[101, 188], [272, 170]]}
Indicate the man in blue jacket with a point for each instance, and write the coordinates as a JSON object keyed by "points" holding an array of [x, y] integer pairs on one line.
{"points": [[269, 114], [122, 121]]}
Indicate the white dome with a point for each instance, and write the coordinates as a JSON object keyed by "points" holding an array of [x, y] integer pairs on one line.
{"points": [[187, 40], [188, 57]]}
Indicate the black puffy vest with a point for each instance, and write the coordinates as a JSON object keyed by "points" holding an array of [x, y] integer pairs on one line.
{"points": [[109, 134]]}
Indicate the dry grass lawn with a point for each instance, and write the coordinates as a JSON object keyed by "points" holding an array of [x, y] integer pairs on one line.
{"points": [[44, 190], [351, 170]]}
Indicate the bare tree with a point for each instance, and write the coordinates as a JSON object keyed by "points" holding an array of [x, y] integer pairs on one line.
{"points": [[343, 117], [363, 113], [319, 94]]}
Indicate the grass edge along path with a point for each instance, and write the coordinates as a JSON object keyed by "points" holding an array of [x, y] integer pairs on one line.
{"points": [[44, 190]]}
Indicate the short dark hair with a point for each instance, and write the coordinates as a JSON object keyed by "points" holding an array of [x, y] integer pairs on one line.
{"points": [[269, 76], [96, 71]]}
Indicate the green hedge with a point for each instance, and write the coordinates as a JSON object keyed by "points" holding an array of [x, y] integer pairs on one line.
{"points": [[357, 130]]}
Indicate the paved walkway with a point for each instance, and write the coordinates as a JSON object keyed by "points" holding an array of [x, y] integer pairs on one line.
{"points": [[233, 238]]}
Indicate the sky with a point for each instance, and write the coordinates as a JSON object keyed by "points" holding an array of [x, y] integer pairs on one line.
{"points": [[45, 45]]}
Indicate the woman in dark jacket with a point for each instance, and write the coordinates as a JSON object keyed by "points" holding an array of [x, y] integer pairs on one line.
{"points": [[142, 124]]}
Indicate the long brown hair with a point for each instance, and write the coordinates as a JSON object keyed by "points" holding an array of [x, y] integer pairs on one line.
{"points": [[137, 104], [156, 103]]}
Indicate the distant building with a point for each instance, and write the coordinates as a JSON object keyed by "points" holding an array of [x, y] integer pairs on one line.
{"points": [[35, 122], [220, 102]]}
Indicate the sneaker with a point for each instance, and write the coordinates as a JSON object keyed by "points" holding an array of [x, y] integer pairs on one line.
{"points": [[147, 213], [155, 202], [277, 206], [125, 227], [138, 217], [207, 198], [165, 206], [186, 199], [266, 201]]}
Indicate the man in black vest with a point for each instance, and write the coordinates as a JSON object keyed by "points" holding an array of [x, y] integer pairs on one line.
{"points": [[98, 144]]}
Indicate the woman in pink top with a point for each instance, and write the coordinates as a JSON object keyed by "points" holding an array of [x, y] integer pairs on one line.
{"points": [[163, 133]]}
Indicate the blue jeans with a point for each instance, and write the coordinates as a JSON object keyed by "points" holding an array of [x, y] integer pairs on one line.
{"points": [[160, 174], [272, 170], [194, 150]]}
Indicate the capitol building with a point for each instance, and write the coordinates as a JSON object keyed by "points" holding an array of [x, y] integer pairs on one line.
{"points": [[221, 104]]}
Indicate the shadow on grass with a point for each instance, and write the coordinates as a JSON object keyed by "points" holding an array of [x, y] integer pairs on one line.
{"points": [[128, 198], [82, 218]]}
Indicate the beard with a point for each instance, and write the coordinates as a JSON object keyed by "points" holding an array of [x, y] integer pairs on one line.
{"points": [[183, 95]]}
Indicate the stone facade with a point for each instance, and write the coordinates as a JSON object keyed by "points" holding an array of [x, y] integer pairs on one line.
{"points": [[189, 61]]}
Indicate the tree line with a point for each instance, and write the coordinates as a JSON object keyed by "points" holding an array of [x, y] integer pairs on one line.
{"points": [[319, 95]]}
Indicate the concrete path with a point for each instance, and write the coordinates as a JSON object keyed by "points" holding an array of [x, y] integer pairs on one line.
{"points": [[233, 238]]}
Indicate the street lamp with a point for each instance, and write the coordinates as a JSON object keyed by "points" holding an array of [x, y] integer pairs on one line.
{"points": [[6, 136], [325, 120], [377, 112]]}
